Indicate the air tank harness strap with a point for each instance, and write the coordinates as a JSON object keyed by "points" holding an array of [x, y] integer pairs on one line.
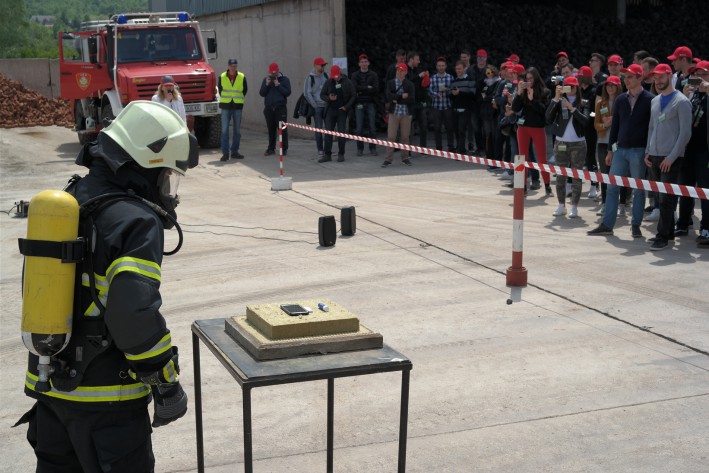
{"points": [[71, 251]]}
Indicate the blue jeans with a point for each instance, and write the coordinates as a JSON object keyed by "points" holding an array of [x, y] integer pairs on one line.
{"points": [[626, 162], [318, 117], [360, 110], [228, 114]]}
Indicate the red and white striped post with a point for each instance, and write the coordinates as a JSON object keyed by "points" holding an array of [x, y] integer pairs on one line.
{"points": [[280, 146], [517, 274]]}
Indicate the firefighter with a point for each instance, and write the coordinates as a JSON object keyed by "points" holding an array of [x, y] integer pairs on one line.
{"points": [[93, 417]]}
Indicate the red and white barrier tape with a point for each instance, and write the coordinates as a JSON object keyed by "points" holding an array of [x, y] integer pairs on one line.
{"points": [[643, 184]]}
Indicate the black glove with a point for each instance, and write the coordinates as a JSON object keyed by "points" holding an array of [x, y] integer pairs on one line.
{"points": [[170, 402]]}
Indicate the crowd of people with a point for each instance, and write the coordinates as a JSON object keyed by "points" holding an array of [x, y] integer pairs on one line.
{"points": [[644, 120]]}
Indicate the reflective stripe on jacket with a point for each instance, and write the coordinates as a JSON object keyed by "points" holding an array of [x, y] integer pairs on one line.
{"points": [[232, 92]]}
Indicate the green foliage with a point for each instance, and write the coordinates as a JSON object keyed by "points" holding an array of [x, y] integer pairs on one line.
{"points": [[21, 38]]}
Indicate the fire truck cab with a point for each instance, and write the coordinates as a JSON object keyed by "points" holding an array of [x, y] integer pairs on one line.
{"points": [[108, 64]]}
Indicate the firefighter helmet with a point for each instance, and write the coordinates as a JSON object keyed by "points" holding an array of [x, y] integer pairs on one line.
{"points": [[154, 136]]}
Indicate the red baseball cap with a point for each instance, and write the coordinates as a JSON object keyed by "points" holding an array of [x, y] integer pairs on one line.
{"points": [[635, 69], [319, 62], [571, 80], [562, 53], [661, 69], [335, 72], [701, 65], [518, 68], [508, 65], [167, 80], [585, 71], [273, 68], [616, 59], [613, 80], [513, 57], [682, 51], [481, 53], [402, 67], [363, 56]]}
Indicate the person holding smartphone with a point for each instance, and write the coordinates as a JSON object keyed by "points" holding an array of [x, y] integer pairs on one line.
{"points": [[531, 99], [169, 95], [568, 116]]}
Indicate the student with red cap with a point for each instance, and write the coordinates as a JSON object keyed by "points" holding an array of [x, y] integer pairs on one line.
{"points": [[339, 94], [275, 89], [311, 91], [668, 134], [626, 148], [568, 114], [400, 96], [681, 61]]}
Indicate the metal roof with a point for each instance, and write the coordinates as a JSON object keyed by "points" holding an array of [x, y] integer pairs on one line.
{"points": [[207, 7]]}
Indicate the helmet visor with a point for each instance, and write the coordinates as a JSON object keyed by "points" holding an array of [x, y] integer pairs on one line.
{"points": [[168, 182]]}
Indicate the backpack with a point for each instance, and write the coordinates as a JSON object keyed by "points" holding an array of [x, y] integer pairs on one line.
{"points": [[303, 107]]}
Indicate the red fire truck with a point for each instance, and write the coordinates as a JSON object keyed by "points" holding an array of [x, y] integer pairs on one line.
{"points": [[110, 63]]}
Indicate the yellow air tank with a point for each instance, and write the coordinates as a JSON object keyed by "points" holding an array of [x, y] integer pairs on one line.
{"points": [[48, 285]]}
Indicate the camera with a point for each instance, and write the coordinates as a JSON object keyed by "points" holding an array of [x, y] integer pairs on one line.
{"points": [[565, 89], [557, 80], [272, 76], [695, 81]]}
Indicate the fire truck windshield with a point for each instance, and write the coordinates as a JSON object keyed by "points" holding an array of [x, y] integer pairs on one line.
{"points": [[157, 44]]}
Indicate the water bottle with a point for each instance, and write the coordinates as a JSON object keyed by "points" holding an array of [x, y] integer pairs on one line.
{"points": [[323, 307]]}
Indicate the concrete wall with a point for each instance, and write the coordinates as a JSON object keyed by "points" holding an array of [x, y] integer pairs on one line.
{"points": [[41, 75], [290, 33]]}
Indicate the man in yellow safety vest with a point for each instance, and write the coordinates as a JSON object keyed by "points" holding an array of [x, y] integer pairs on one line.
{"points": [[232, 91]]}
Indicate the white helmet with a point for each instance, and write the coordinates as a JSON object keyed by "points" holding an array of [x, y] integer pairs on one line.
{"points": [[154, 136]]}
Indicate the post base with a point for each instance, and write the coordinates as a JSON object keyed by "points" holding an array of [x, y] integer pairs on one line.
{"points": [[281, 183]]}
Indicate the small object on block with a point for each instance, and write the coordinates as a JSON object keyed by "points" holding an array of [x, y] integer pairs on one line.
{"points": [[327, 230], [348, 221]]}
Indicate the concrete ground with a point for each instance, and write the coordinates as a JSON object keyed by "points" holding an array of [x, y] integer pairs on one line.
{"points": [[603, 366]]}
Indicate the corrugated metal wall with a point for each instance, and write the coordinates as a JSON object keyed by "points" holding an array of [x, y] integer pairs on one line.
{"points": [[203, 7]]}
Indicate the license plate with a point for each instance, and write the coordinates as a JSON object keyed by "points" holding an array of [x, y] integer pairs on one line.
{"points": [[193, 107]]}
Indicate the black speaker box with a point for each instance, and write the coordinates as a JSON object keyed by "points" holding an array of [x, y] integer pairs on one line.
{"points": [[348, 221], [327, 230]]}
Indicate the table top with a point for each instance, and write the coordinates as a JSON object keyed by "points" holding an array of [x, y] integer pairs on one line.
{"points": [[249, 371]]}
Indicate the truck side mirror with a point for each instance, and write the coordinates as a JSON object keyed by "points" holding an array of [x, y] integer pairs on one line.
{"points": [[212, 45], [93, 49]]}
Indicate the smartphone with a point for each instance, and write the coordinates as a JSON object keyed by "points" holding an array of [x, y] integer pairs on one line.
{"points": [[565, 89], [294, 309], [695, 81], [524, 85]]}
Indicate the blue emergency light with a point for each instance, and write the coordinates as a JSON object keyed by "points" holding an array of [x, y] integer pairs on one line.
{"points": [[183, 17], [122, 20]]}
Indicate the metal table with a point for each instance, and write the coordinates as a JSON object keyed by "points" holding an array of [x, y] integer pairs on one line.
{"points": [[251, 373]]}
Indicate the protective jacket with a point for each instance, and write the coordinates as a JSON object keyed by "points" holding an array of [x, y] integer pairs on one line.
{"points": [[130, 335]]}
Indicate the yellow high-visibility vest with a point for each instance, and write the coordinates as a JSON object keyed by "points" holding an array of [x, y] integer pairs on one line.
{"points": [[232, 93]]}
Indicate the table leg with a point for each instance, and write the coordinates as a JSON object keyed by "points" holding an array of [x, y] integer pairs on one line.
{"points": [[198, 402], [404, 419], [248, 460], [330, 422]]}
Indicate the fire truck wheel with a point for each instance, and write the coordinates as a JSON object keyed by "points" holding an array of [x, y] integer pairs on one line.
{"points": [[107, 112], [208, 131]]}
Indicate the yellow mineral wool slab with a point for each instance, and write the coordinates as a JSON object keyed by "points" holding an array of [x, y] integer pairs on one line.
{"points": [[275, 324]]}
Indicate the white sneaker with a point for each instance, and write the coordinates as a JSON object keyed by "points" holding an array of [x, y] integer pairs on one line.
{"points": [[593, 192], [560, 210], [621, 211], [654, 216], [574, 212], [602, 212], [506, 176]]}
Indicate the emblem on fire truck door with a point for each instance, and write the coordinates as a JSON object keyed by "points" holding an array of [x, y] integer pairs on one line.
{"points": [[83, 79]]}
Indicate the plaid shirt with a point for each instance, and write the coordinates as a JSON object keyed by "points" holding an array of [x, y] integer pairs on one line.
{"points": [[400, 109], [440, 101]]}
